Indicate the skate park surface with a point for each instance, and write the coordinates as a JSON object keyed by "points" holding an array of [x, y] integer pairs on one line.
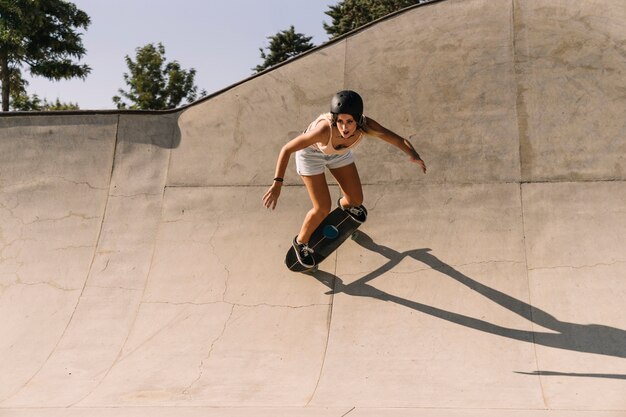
{"points": [[141, 276]]}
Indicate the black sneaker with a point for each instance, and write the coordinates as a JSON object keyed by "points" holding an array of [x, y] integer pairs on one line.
{"points": [[304, 253], [358, 213]]}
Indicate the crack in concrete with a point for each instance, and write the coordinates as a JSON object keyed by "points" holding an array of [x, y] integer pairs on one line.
{"points": [[135, 195], [74, 247], [380, 197], [328, 335], [532, 313], [43, 283], [114, 288], [599, 264], [58, 219], [243, 305], [93, 187], [214, 252], [53, 177], [106, 266], [187, 390], [124, 356]]}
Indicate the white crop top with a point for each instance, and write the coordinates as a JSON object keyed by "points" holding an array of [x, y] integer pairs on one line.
{"points": [[328, 148]]}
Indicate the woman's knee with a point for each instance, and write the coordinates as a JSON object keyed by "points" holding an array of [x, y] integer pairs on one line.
{"points": [[321, 211]]}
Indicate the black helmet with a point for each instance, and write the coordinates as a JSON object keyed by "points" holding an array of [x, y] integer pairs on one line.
{"points": [[347, 102]]}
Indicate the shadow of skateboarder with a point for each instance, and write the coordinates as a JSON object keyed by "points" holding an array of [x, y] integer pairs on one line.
{"points": [[585, 338]]}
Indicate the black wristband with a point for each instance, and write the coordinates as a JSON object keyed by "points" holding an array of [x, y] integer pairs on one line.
{"points": [[279, 179]]}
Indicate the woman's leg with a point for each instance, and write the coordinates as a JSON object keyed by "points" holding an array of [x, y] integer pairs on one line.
{"points": [[320, 197], [350, 184]]}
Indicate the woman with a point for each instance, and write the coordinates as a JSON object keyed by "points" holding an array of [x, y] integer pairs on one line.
{"points": [[328, 143]]}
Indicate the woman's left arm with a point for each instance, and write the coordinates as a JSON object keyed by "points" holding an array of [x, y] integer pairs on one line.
{"points": [[376, 129]]}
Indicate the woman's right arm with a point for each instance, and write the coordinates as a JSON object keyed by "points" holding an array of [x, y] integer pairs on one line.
{"points": [[306, 139]]}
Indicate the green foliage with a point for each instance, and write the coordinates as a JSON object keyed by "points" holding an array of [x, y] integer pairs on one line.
{"points": [[284, 45], [58, 105], [24, 102], [348, 15], [43, 36], [21, 101], [155, 84]]}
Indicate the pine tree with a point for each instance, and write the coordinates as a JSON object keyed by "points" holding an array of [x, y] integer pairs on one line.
{"points": [[348, 15], [155, 84], [284, 45]]}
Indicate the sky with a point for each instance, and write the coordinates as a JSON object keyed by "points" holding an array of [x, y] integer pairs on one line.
{"points": [[219, 38]]}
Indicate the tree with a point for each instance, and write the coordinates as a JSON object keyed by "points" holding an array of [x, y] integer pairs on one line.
{"points": [[348, 15], [284, 45], [43, 36], [21, 101], [155, 84], [24, 102], [27, 103]]}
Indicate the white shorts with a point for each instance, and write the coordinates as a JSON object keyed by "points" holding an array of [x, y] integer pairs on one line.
{"points": [[310, 161]]}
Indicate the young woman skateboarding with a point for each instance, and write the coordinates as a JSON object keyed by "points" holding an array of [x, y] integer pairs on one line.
{"points": [[328, 143]]}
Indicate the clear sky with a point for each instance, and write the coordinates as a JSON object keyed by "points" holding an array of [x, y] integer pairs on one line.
{"points": [[219, 38]]}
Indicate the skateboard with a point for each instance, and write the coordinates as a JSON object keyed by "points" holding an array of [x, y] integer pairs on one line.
{"points": [[329, 235]]}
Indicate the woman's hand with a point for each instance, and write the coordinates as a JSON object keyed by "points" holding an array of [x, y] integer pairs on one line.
{"points": [[271, 196], [381, 132], [417, 160]]}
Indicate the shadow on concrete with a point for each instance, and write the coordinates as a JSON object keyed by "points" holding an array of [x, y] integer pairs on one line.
{"points": [[585, 338], [160, 130], [138, 127], [574, 375]]}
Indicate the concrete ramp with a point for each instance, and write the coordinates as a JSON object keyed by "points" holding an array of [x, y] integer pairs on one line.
{"points": [[141, 276]]}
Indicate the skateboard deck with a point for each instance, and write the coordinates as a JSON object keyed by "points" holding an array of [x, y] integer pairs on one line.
{"points": [[328, 236]]}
